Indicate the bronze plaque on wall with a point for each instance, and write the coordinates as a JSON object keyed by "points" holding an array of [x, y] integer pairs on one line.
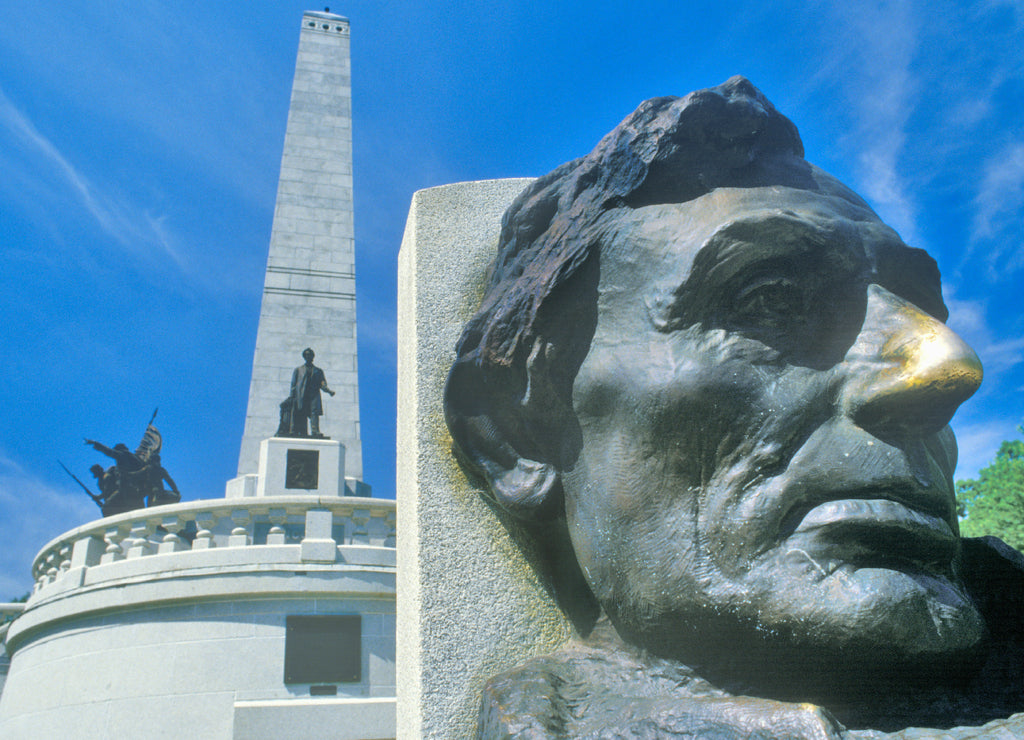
{"points": [[323, 649], [302, 469]]}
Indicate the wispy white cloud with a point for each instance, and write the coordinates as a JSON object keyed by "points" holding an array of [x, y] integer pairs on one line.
{"points": [[139, 232], [968, 319], [998, 205], [378, 330], [879, 42], [1001, 356], [979, 442], [886, 189], [34, 512]]}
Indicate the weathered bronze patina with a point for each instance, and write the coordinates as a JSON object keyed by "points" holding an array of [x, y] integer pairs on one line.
{"points": [[716, 389], [136, 479], [304, 403]]}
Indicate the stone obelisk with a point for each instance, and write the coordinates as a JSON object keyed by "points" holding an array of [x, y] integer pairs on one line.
{"points": [[309, 295]]}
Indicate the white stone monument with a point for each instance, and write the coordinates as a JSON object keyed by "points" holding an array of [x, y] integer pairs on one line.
{"points": [[309, 294], [269, 613]]}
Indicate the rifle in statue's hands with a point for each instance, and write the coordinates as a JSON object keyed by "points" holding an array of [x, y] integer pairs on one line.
{"points": [[94, 497]]}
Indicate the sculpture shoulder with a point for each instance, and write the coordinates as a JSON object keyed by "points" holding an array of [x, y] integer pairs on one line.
{"points": [[994, 575], [526, 702], [581, 692]]}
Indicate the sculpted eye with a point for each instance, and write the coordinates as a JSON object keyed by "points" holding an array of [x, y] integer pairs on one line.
{"points": [[772, 301]]}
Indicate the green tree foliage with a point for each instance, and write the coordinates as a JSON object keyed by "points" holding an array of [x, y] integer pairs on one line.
{"points": [[994, 503]]}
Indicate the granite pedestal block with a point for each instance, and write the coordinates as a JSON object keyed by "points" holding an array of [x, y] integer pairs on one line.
{"points": [[301, 466], [469, 604]]}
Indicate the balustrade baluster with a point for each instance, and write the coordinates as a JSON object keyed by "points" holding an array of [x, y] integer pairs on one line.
{"points": [[278, 518], [172, 541], [45, 563], [360, 518], [343, 516], [390, 520], [206, 521], [64, 559], [114, 536], [240, 534], [140, 544]]}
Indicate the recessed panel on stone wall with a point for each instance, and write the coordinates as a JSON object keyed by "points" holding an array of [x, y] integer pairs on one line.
{"points": [[323, 649]]}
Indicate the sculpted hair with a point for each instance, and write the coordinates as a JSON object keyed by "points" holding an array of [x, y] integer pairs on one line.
{"points": [[509, 392]]}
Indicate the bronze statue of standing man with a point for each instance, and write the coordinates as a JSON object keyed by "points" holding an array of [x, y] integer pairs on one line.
{"points": [[304, 402]]}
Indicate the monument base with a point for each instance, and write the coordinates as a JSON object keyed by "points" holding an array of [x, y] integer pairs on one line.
{"points": [[315, 462], [295, 466], [300, 466], [244, 486]]}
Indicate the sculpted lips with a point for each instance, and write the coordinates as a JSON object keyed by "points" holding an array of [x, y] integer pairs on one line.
{"points": [[877, 532]]}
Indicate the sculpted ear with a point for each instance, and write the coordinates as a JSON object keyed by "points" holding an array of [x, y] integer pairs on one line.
{"points": [[504, 427]]}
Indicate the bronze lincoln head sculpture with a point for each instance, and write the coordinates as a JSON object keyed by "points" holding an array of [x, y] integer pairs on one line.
{"points": [[730, 384]]}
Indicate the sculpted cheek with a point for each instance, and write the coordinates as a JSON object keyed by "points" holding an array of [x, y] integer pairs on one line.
{"points": [[745, 508], [701, 414]]}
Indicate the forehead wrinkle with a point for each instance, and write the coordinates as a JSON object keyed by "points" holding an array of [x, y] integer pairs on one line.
{"points": [[643, 256]]}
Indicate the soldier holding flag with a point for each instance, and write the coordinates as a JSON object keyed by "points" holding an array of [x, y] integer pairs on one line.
{"points": [[136, 479]]}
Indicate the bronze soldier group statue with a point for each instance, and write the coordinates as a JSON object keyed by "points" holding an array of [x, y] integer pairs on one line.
{"points": [[136, 479], [714, 388]]}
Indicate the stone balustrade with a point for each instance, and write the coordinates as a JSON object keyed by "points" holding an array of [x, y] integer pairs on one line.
{"points": [[312, 529], [10, 611]]}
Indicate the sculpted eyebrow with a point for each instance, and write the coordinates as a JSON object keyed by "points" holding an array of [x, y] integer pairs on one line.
{"points": [[739, 245], [778, 242]]}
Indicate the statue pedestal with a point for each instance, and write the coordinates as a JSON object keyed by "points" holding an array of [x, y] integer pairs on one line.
{"points": [[301, 466], [297, 466], [469, 604], [244, 486]]}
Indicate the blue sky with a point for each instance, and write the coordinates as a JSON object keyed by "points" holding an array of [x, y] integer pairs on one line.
{"points": [[140, 144]]}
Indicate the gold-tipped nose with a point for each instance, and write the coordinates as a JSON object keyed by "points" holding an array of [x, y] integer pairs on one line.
{"points": [[920, 373], [931, 357]]}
